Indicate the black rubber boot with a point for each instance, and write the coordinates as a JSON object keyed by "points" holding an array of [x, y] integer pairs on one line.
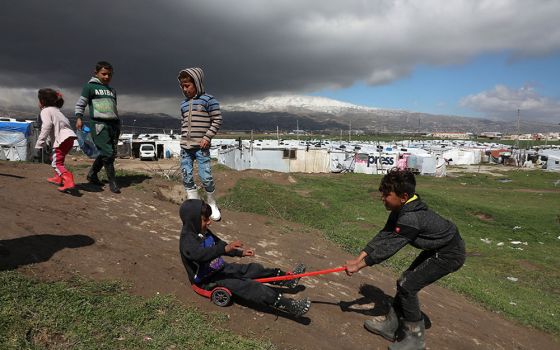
{"points": [[293, 307], [299, 268], [384, 325], [413, 339], [92, 174], [111, 177]]}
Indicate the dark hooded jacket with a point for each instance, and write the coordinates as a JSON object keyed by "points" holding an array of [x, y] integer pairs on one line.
{"points": [[413, 224], [195, 257]]}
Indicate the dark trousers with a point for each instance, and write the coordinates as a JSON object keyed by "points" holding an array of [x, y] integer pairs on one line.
{"points": [[427, 268], [239, 279], [105, 135]]}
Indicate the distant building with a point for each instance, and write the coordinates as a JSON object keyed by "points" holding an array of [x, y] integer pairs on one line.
{"points": [[491, 135], [451, 135], [358, 132]]}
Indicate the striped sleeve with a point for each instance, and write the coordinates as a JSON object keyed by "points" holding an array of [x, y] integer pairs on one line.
{"points": [[215, 115]]}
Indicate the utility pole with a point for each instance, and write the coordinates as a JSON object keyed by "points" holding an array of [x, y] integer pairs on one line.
{"points": [[518, 134], [518, 144], [518, 120], [349, 131]]}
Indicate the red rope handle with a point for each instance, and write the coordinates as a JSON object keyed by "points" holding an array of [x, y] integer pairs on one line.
{"points": [[299, 275]]}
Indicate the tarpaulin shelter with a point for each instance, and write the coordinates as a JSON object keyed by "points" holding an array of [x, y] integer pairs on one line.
{"points": [[282, 159], [17, 139], [497, 156], [552, 159]]}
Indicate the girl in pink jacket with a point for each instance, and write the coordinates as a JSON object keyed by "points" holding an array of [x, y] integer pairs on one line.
{"points": [[56, 127]]}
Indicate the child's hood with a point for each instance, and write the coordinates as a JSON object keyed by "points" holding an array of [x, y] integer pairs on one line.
{"points": [[95, 80], [190, 215], [198, 76]]}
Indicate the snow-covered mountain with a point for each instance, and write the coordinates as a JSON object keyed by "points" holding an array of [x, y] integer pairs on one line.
{"points": [[296, 103]]}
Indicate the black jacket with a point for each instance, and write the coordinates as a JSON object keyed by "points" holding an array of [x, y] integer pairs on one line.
{"points": [[192, 253], [413, 224]]}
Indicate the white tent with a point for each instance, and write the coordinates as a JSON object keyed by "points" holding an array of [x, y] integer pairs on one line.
{"points": [[427, 164], [341, 161], [553, 163], [462, 156], [276, 159], [552, 159], [17, 139]]}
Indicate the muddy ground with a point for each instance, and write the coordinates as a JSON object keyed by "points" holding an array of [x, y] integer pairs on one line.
{"points": [[134, 237]]}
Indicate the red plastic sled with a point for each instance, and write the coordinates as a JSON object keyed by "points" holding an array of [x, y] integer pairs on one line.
{"points": [[221, 296]]}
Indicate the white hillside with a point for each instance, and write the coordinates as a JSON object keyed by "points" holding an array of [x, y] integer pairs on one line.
{"points": [[295, 103]]}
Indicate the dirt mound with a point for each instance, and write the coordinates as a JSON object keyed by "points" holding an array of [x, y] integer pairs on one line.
{"points": [[134, 237]]}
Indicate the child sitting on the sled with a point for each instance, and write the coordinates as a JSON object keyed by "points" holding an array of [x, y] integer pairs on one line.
{"points": [[201, 252]]}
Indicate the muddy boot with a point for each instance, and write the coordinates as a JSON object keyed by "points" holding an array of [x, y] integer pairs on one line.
{"points": [[56, 179], [293, 307], [413, 339], [111, 177], [299, 268], [192, 193], [92, 174], [67, 182], [384, 325], [211, 200]]}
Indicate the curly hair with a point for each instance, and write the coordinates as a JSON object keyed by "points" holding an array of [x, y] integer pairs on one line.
{"points": [[398, 181]]}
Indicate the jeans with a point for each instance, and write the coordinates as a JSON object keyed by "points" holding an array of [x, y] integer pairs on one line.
{"points": [[427, 268], [202, 156]]}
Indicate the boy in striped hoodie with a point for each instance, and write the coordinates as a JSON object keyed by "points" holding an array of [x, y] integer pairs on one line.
{"points": [[201, 120]]}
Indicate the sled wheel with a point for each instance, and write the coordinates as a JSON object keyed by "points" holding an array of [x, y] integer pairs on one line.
{"points": [[221, 297]]}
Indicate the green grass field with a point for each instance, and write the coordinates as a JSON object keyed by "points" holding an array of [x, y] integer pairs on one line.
{"points": [[81, 314], [520, 280]]}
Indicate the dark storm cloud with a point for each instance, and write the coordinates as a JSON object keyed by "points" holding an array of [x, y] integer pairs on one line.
{"points": [[58, 43], [253, 48]]}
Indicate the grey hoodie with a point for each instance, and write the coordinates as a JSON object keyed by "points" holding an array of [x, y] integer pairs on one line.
{"points": [[201, 115]]}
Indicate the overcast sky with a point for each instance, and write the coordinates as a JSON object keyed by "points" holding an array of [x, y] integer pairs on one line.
{"points": [[471, 58]]}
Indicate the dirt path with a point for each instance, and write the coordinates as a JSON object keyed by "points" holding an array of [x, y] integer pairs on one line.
{"points": [[134, 237]]}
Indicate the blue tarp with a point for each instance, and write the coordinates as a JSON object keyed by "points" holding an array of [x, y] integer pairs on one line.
{"points": [[22, 127]]}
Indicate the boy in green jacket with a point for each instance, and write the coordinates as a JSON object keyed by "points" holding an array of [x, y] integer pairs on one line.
{"points": [[104, 122]]}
